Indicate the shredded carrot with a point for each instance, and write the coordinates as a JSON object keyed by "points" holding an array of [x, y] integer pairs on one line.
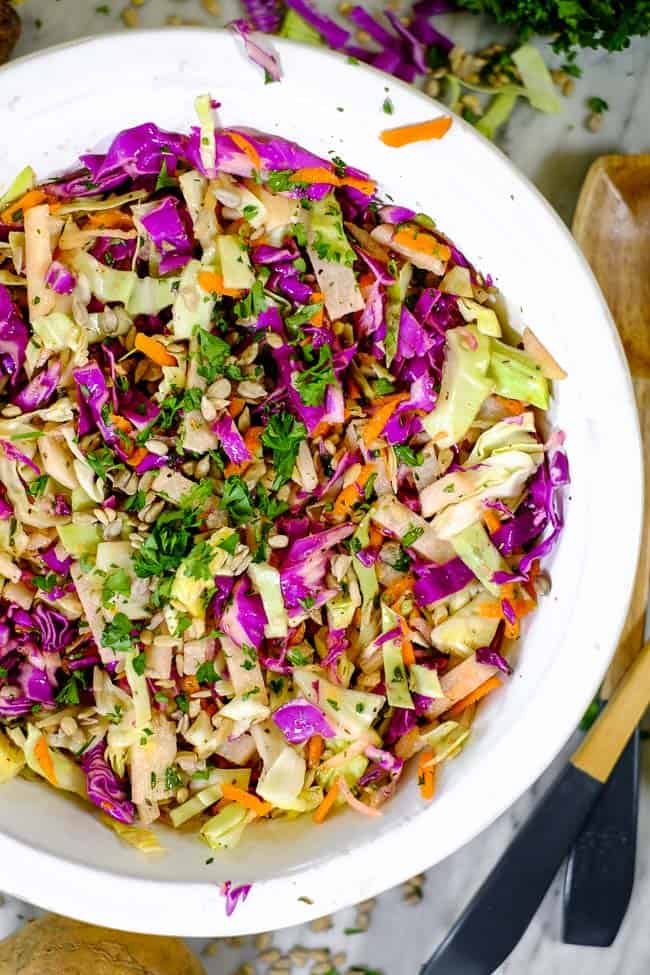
{"points": [[318, 174], [351, 494], [511, 406], [318, 316], [111, 219], [314, 750], [398, 588], [136, 456], [315, 174], [121, 423], [297, 636], [254, 803], [353, 389], [490, 611], [375, 425], [237, 404], [190, 684], [492, 520], [367, 186], [212, 282], [321, 430], [366, 279], [42, 753], [490, 685], [248, 148], [327, 803], [154, 350], [408, 654], [435, 128], [15, 210], [426, 775], [512, 630], [253, 440], [417, 240]]}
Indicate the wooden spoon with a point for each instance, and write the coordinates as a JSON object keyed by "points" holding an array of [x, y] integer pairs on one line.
{"points": [[612, 226]]}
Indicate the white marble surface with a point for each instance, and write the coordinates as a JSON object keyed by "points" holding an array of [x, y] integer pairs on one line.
{"points": [[555, 153]]}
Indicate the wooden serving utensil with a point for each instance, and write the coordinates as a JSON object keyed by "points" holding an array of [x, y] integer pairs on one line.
{"points": [[498, 914], [612, 227]]}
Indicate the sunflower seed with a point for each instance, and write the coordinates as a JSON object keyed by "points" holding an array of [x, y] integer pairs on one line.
{"points": [[157, 447], [149, 514], [208, 410], [130, 17], [270, 956], [219, 389], [251, 391], [278, 541], [202, 467]]}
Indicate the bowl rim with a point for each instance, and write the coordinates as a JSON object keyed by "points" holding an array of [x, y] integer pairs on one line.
{"points": [[195, 909]]}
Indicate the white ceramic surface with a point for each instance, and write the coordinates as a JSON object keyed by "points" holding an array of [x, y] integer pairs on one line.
{"points": [[68, 100]]}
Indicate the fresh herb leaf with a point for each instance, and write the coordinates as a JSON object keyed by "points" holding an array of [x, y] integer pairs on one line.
{"points": [[37, 487], [388, 106], [406, 455], [164, 179], [283, 435], [135, 502], [173, 780], [304, 314], [597, 104], [312, 382], [206, 674], [45, 583], [102, 461], [236, 499], [411, 536], [229, 544], [115, 583], [139, 663], [117, 634], [69, 691], [212, 353]]}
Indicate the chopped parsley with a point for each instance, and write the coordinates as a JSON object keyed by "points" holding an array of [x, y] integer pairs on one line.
{"points": [[406, 455], [164, 179], [37, 487], [411, 536], [388, 106], [139, 663], [173, 780], [45, 583], [117, 634], [115, 583], [312, 382], [229, 544], [69, 691], [597, 105], [102, 461], [206, 674], [212, 354], [283, 435], [182, 703], [236, 499]]}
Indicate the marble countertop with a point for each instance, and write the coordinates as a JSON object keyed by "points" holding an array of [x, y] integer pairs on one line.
{"points": [[555, 152]]}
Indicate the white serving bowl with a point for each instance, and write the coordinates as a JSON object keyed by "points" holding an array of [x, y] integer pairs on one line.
{"points": [[61, 102]]}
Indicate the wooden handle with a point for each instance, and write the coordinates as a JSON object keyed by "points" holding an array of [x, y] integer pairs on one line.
{"points": [[602, 745]]}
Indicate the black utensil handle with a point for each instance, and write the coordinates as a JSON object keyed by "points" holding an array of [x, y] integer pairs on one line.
{"points": [[600, 869], [497, 916]]}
